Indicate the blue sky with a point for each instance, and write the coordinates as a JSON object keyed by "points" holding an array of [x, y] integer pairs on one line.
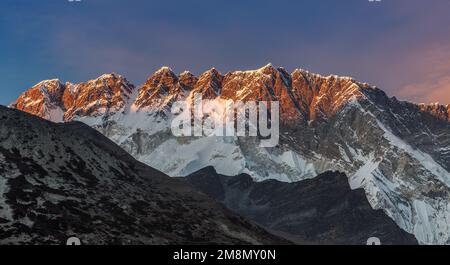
{"points": [[402, 46]]}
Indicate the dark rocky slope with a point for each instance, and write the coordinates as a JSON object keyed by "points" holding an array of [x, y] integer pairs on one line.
{"points": [[323, 210], [62, 180]]}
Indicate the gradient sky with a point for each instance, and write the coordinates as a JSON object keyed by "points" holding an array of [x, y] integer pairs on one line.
{"points": [[401, 46]]}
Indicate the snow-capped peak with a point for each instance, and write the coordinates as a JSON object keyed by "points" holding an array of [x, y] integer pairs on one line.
{"points": [[265, 67], [49, 81], [164, 69], [186, 73]]}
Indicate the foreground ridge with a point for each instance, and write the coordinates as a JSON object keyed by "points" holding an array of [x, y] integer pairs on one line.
{"points": [[64, 180]]}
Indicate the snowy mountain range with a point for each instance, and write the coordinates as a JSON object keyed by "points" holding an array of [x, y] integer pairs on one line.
{"points": [[398, 152]]}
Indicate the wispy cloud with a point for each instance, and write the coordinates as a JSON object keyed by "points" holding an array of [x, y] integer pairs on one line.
{"points": [[431, 82]]}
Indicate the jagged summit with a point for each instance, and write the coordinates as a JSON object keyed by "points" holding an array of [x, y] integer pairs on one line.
{"points": [[267, 68], [44, 82], [305, 72], [303, 95], [53, 100], [164, 69], [262, 69], [437, 110], [209, 84], [44, 100], [186, 73]]}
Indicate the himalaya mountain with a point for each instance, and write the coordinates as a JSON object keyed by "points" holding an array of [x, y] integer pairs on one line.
{"points": [[398, 152], [63, 180], [322, 210]]}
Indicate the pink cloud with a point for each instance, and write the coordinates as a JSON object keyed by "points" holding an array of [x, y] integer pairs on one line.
{"points": [[431, 82]]}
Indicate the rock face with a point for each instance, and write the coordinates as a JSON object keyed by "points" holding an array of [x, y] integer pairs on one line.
{"points": [[439, 111], [160, 90], [63, 180], [58, 102], [106, 95], [45, 100], [398, 152], [323, 210], [209, 84]]}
